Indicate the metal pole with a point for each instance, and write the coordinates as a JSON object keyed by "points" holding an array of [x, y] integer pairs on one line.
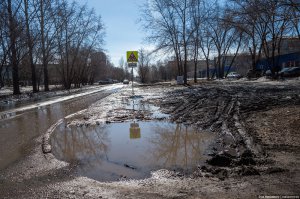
{"points": [[132, 95], [133, 114], [132, 81]]}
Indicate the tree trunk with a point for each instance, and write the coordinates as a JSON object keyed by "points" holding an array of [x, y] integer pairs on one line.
{"points": [[184, 43], [207, 69], [13, 58], [219, 66], [196, 57], [44, 60], [195, 71], [30, 47]]}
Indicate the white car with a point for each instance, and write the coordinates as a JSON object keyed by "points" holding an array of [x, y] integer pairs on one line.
{"points": [[125, 81], [234, 75]]}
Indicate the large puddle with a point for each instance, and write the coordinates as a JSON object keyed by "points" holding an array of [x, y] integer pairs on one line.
{"points": [[111, 152]]}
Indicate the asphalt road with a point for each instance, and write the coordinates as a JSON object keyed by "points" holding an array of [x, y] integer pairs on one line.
{"points": [[20, 126]]}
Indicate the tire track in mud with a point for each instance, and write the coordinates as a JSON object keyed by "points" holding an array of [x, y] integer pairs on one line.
{"points": [[223, 110]]}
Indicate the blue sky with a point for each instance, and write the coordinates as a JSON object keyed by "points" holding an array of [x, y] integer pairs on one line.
{"points": [[123, 33]]}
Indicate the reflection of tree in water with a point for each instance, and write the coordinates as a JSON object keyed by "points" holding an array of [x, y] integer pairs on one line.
{"points": [[179, 146], [84, 144]]}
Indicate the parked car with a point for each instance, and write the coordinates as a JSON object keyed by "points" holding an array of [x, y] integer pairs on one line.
{"points": [[125, 81], [290, 72], [106, 81], [103, 82], [268, 73], [283, 71], [233, 75]]}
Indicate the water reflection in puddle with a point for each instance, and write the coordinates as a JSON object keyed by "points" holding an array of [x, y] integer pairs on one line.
{"points": [[112, 151]]}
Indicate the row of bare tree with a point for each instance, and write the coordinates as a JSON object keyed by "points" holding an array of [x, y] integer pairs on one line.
{"points": [[49, 32], [199, 29], [153, 72]]}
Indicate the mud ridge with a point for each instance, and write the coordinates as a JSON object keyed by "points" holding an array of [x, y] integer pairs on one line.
{"points": [[46, 146]]}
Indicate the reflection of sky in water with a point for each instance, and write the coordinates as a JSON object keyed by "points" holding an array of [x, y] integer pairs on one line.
{"points": [[108, 152]]}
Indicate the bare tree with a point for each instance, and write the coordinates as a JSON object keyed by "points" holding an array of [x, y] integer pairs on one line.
{"points": [[264, 24], [246, 16], [45, 32], [123, 67], [98, 65], [161, 22], [121, 62], [278, 20], [195, 11], [73, 38], [43, 45], [224, 38], [293, 8], [13, 31], [205, 33], [163, 72], [30, 47], [144, 65], [206, 45], [4, 50], [185, 29]]}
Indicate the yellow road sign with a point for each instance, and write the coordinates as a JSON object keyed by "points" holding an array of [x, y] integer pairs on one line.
{"points": [[132, 56]]}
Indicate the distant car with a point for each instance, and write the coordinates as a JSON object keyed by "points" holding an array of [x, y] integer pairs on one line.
{"points": [[290, 72], [268, 73], [275, 73], [106, 81], [103, 82], [283, 71], [125, 81], [233, 75]]}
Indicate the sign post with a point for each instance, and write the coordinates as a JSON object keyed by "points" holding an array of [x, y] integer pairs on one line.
{"points": [[132, 59]]}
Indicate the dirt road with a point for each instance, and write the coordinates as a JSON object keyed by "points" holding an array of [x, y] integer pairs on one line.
{"points": [[256, 152]]}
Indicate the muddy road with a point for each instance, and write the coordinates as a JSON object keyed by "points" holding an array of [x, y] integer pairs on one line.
{"points": [[252, 121], [253, 149]]}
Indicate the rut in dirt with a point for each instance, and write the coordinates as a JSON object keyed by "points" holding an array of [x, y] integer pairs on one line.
{"points": [[223, 109]]}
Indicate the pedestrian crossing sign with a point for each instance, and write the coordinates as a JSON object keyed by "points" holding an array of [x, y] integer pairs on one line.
{"points": [[132, 56]]}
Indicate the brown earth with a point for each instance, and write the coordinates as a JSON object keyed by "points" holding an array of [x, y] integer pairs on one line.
{"points": [[256, 124]]}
